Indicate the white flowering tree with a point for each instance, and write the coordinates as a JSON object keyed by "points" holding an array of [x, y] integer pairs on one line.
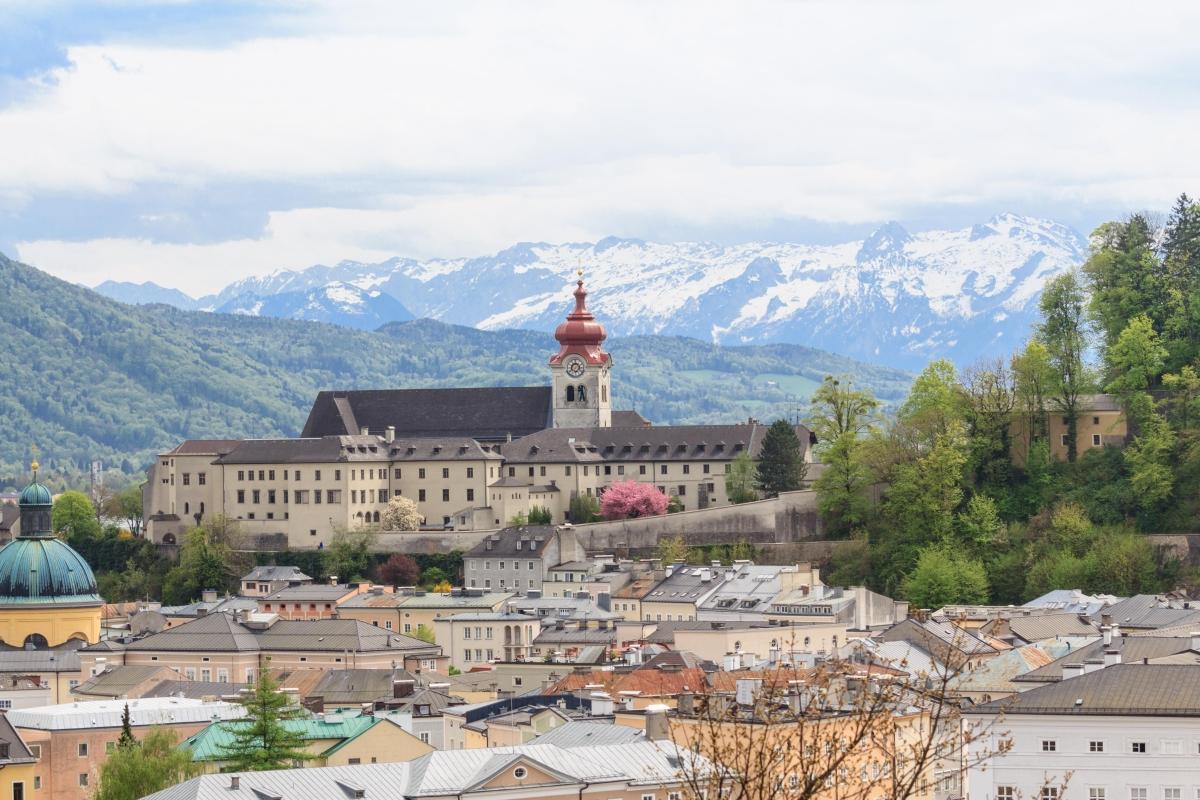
{"points": [[400, 515]]}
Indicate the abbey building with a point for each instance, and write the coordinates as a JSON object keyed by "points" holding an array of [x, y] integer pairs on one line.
{"points": [[470, 458]]}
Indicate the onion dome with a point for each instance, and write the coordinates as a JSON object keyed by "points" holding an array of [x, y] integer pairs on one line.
{"points": [[580, 334], [38, 569]]}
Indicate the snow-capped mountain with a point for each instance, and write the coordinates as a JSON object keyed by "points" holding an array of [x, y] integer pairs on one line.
{"points": [[336, 302], [897, 297]]}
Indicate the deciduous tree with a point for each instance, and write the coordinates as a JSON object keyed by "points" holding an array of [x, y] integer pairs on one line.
{"points": [[739, 481], [943, 576], [624, 499], [74, 516], [139, 768], [400, 514], [1063, 331], [399, 570]]}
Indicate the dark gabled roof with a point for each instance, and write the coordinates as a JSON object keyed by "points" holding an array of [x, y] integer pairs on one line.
{"points": [[309, 592], [217, 632], [197, 690], [533, 540], [222, 633], [18, 751], [204, 447], [1132, 648], [657, 443], [321, 450], [629, 419], [488, 413], [274, 573], [439, 448], [352, 686], [1160, 690]]}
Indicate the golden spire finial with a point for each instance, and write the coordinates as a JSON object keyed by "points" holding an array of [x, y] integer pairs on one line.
{"points": [[34, 463]]}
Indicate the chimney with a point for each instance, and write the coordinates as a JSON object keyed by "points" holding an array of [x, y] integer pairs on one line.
{"points": [[1195, 640], [1073, 670], [1106, 619], [1106, 634], [1116, 631], [402, 688], [208, 596], [602, 705], [657, 727], [389, 434], [1112, 657], [364, 430], [235, 782], [1092, 664], [315, 703], [732, 662], [686, 703], [333, 580], [604, 601]]}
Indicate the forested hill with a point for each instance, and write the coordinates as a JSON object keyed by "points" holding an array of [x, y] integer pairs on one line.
{"points": [[91, 378]]}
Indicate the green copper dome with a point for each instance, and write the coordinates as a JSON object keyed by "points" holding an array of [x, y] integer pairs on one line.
{"points": [[39, 570], [35, 495]]}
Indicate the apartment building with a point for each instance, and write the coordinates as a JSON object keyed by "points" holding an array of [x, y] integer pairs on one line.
{"points": [[406, 611], [262, 581], [314, 600], [73, 740], [474, 640], [224, 648], [1101, 422], [519, 558]]}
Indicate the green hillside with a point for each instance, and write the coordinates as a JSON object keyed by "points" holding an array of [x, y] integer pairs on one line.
{"points": [[90, 378]]}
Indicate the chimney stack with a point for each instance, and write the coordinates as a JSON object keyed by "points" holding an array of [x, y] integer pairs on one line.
{"points": [[1073, 670], [657, 727], [389, 434], [1092, 664], [1112, 657], [235, 782], [1106, 634]]}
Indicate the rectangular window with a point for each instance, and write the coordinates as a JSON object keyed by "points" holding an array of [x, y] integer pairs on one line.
{"points": [[82, 749], [568, 472], [641, 469], [663, 469], [424, 736], [1138, 793], [1064, 440], [271, 475], [202, 478], [270, 496], [1096, 793], [317, 496], [396, 473], [187, 479], [421, 473], [445, 495], [420, 495], [337, 474], [687, 469], [470, 495], [706, 469], [1049, 793], [1049, 745], [241, 495], [316, 474], [1137, 747], [83, 779], [333, 496], [1095, 746], [262, 475], [241, 474], [620, 469], [1095, 440], [445, 472], [257, 496], [682, 490], [1172, 793]]}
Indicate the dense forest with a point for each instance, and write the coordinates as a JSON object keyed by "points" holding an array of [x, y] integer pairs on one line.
{"points": [[958, 520], [90, 378]]}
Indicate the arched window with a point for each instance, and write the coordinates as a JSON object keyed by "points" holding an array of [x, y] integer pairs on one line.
{"points": [[581, 392], [375, 517], [603, 393], [35, 641], [202, 507], [186, 508], [807, 641], [168, 538], [570, 394]]}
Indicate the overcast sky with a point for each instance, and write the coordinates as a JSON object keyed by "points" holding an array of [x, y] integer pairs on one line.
{"points": [[196, 143]]}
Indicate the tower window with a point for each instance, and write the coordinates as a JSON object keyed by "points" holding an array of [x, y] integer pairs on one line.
{"points": [[570, 394], [581, 393]]}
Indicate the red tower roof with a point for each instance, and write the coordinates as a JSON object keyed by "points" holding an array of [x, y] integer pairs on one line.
{"points": [[580, 334]]}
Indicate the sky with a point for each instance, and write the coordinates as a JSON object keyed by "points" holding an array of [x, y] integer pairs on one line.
{"points": [[195, 143]]}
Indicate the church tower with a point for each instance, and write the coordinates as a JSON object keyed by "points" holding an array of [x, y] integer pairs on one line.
{"points": [[580, 370]]}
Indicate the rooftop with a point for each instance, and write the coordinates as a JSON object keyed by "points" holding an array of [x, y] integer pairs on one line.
{"points": [[1158, 690], [107, 713]]}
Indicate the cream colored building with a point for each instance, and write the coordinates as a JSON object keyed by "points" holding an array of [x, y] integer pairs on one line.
{"points": [[475, 640], [405, 612], [471, 459], [1101, 422]]}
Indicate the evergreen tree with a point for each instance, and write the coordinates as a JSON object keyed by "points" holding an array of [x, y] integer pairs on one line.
{"points": [[261, 741], [127, 737], [781, 465]]}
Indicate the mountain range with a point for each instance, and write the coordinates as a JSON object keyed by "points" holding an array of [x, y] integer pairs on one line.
{"points": [[895, 297], [87, 377]]}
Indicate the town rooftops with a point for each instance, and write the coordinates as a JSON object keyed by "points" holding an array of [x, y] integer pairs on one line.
{"points": [[17, 751], [311, 592], [212, 743], [657, 443], [490, 413], [1132, 649], [1073, 601], [685, 585], [223, 633], [107, 713], [324, 450], [642, 763], [58, 659], [1156, 690]]}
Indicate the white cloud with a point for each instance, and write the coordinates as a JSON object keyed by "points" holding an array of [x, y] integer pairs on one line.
{"points": [[486, 124]]}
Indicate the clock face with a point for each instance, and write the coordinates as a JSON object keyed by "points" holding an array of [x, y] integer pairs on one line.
{"points": [[575, 366]]}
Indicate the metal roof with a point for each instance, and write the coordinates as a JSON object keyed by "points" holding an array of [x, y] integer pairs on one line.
{"points": [[107, 713], [212, 743], [1159, 690], [1132, 649], [580, 733]]}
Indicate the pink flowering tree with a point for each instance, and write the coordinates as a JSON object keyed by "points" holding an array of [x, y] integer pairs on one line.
{"points": [[625, 499]]}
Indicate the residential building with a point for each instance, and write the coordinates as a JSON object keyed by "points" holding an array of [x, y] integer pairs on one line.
{"points": [[405, 611], [56, 669], [679, 595], [73, 740], [1119, 732], [228, 649], [23, 691], [751, 643], [262, 581], [20, 776], [641, 770], [1100, 423], [314, 600], [466, 726], [474, 640], [183, 488], [519, 558], [331, 738], [857, 607], [627, 601]]}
